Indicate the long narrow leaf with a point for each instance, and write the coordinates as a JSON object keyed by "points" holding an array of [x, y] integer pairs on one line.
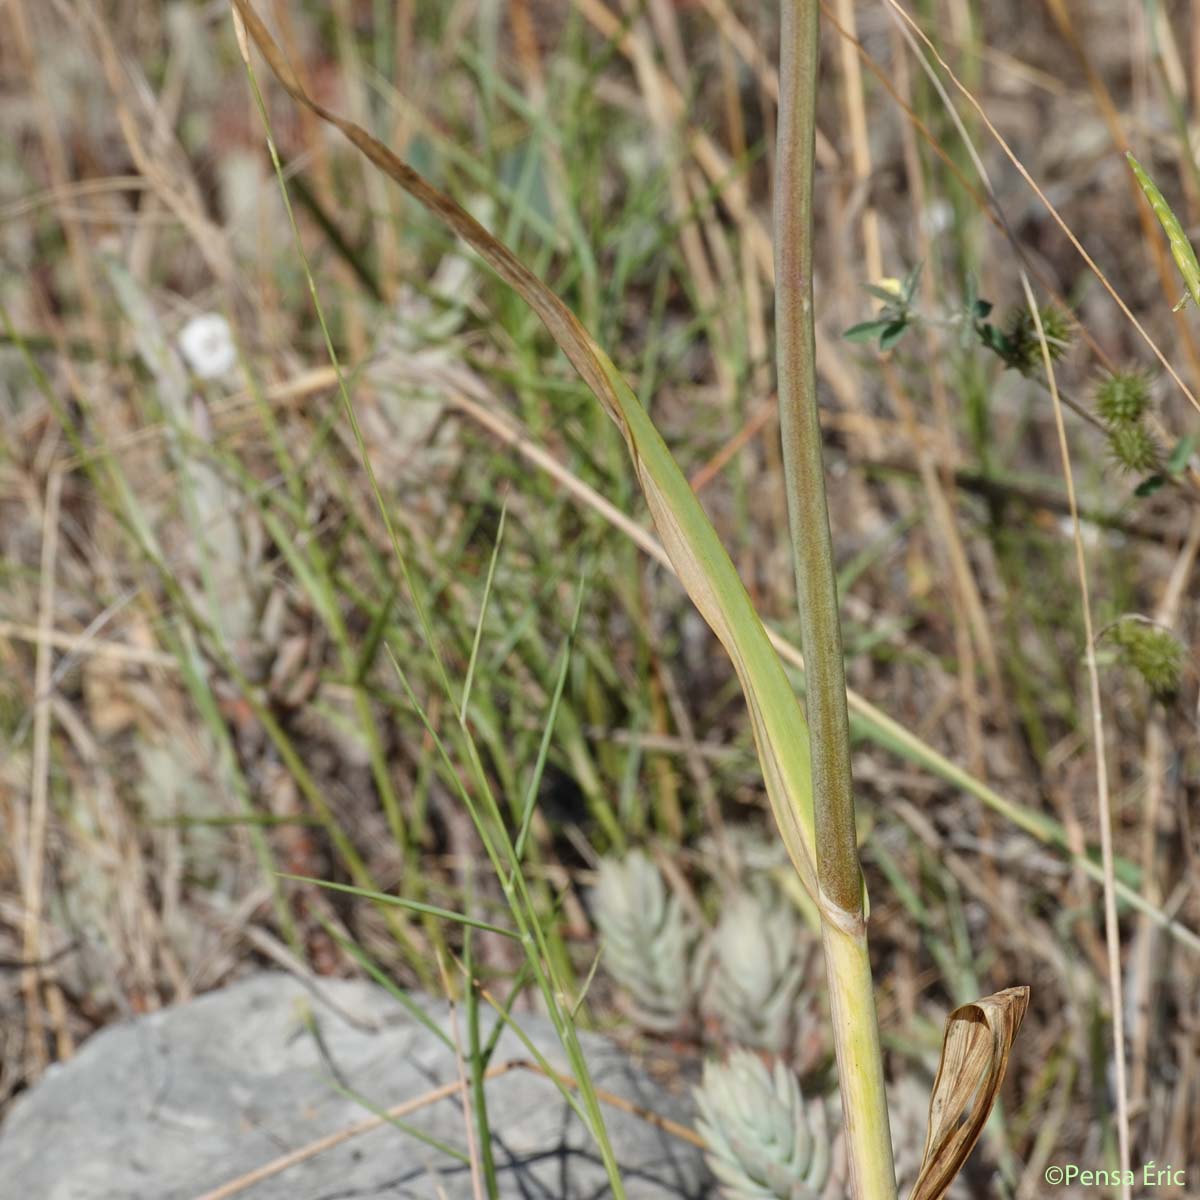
{"points": [[1181, 247], [687, 534], [431, 910]]}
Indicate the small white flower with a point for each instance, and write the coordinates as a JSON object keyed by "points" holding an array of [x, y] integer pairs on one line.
{"points": [[1090, 533], [206, 343], [937, 217]]}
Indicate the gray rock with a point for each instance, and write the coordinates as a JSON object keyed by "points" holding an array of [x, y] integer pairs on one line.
{"points": [[177, 1103]]}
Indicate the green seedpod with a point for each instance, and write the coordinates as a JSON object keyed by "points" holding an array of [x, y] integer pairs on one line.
{"points": [[1154, 652], [1181, 248], [1133, 448], [1123, 397]]}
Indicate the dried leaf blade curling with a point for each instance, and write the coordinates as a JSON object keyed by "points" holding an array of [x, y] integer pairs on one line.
{"points": [[975, 1050]]}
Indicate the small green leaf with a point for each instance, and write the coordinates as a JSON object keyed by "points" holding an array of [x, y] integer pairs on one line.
{"points": [[1149, 485], [981, 309], [909, 287], [892, 334], [995, 341], [1180, 455], [867, 331]]}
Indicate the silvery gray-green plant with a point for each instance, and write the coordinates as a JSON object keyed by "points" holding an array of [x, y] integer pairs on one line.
{"points": [[764, 1142], [647, 942], [753, 966]]}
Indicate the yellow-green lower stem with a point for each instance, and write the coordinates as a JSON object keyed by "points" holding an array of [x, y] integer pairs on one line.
{"points": [[860, 1060]]}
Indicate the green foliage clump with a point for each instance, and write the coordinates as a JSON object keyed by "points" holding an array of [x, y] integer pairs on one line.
{"points": [[1016, 342], [1153, 652], [896, 317]]}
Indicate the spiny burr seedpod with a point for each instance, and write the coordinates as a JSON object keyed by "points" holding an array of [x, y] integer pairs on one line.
{"points": [[1133, 448], [764, 1143], [753, 966], [646, 940], [1123, 397], [1024, 345], [1152, 651]]}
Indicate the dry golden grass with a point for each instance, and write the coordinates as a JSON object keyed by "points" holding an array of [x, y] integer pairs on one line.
{"points": [[196, 583]]}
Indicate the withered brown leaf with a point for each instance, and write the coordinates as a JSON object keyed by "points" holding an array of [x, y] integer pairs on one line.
{"points": [[975, 1049]]}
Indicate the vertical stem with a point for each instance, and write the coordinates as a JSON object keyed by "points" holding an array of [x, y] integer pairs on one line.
{"points": [[852, 1000], [860, 1061], [812, 549], [1112, 929]]}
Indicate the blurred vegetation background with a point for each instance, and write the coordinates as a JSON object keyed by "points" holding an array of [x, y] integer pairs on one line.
{"points": [[200, 605]]}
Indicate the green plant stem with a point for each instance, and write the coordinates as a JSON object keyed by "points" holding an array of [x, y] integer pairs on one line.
{"points": [[860, 1060], [839, 878], [812, 550]]}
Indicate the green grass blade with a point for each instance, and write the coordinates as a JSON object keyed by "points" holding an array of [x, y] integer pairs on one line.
{"points": [[1181, 248], [483, 607], [419, 906], [539, 766]]}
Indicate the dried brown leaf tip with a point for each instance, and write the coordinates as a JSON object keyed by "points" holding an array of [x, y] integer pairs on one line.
{"points": [[979, 1037]]}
